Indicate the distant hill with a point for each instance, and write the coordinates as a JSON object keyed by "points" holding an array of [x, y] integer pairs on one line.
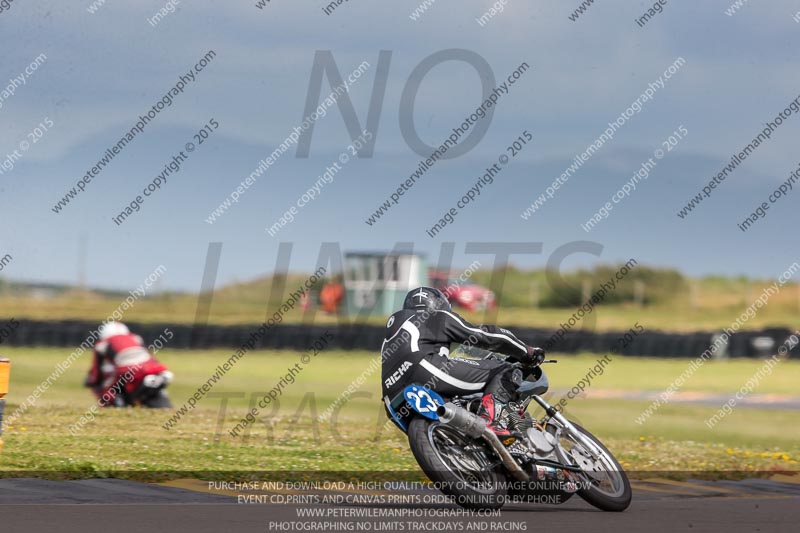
{"points": [[656, 298]]}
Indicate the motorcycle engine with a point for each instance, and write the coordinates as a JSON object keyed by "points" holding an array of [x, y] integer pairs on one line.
{"points": [[543, 443]]}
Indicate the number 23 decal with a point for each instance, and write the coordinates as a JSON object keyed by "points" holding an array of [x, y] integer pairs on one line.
{"points": [[424, 401]]}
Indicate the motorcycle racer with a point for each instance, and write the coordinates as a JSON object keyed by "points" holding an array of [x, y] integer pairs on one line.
{"points": [[416, 349], [120, 365]]}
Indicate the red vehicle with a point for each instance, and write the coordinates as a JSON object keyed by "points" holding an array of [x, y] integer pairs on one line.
{"points": [[463, 293]]}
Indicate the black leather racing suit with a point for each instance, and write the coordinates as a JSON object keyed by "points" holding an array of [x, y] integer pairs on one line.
{"points": [[416, 349]]}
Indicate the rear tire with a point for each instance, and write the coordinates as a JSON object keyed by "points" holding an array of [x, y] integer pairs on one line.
{"points": [[483, 486], [158, 401]]}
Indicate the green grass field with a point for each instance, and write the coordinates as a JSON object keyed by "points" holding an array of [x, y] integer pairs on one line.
{"points": [[132, 442]]}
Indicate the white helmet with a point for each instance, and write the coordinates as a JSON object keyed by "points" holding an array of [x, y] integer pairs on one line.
{"points": [[112, 329]]}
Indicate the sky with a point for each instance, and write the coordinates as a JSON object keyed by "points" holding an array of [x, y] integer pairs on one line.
{"points": [[105, 69]]}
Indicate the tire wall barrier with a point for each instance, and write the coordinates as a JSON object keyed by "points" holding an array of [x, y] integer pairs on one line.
{"points": [[70, 334]]}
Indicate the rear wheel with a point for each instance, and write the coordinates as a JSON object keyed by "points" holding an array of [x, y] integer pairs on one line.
{"points": [[158, 400], [461, 467]]}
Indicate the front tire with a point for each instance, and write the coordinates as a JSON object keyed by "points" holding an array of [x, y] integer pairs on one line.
{"points": [[461, 467], [616, 495]]}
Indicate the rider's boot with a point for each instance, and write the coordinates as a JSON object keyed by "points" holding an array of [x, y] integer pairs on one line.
{"points": [[491, 409]]}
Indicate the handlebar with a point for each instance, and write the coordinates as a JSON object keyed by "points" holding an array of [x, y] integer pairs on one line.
{"points": [[498, 357]]}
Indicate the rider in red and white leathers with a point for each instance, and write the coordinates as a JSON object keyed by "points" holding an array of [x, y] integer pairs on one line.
{"points": [[121, 363]]}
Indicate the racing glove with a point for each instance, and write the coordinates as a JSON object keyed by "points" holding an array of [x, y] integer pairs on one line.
{"points": [[535, 356]]}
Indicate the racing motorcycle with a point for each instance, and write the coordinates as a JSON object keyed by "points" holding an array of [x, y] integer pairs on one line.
{"points": [[146, 387], [545, 460], [150, 392]]}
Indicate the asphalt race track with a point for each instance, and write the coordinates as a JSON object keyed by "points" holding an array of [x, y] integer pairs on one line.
{"points": [[88, 506]]}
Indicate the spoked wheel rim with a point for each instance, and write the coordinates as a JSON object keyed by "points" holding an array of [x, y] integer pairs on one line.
{"points": [[600, 470], [463, 457]]}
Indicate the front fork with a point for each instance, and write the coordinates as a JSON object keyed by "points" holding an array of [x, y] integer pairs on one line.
{"points": [[565, 425]]}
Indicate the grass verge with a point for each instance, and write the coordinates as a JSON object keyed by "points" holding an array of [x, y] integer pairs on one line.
{"points": [[130, 443]]}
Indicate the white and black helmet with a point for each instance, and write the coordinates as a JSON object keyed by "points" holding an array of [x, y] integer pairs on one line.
{"points": [[426, 298]]}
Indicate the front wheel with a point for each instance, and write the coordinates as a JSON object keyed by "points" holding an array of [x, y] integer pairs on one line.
{"points": [[604, 483], [460, 466]]}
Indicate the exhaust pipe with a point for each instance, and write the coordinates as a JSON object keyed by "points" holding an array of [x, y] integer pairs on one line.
{"points": [[475, 427], [452, 415]]}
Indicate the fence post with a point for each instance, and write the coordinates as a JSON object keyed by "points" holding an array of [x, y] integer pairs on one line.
{"points": [[638, 292]]}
